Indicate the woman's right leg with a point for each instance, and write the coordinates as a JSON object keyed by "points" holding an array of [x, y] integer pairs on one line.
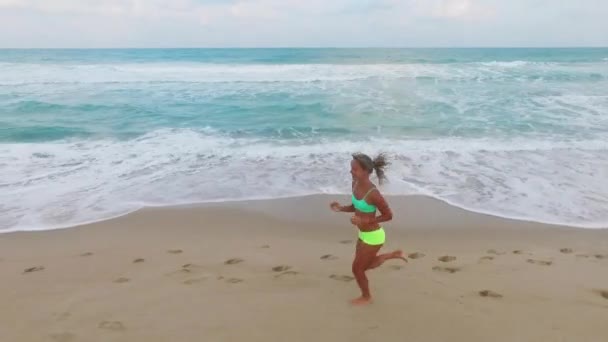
{"points": [[365, 255]]}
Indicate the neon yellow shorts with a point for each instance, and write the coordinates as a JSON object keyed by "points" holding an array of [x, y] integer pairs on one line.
{"points": [[373, 238]]}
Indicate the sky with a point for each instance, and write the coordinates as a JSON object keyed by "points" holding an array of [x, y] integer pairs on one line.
{"points": [[302, 23]]}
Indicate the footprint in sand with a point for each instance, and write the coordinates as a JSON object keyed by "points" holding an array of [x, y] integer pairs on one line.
{"points": [[601, 256], [34, 269], [540, 262], [486, 258], [446, 269], [193, 281], [602, 293], [281, 268], [265, 246], [190, 267], [186, 269], [175, 251], [446, 258], [122, 280], [582, 256], [112, 325], [86, 254], [62, 337], [566, 250], [234, 280], [395, 267], [489, 294], [495, 252], [328, 257], [233, 261], [181, 271], [286, 273], [518, 251], [344, 242], [139, 260], [416, 255], [61, 316], [344, 278]]}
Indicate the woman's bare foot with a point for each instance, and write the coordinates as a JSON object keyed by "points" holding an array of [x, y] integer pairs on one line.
{"points": [[398, 254], [361, 301]]}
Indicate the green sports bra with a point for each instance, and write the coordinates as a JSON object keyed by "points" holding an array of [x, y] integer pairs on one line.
{"points": [[361, 205]]}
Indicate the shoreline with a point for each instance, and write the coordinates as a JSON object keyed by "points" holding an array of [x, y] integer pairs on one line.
{"points": [[260, 202]]}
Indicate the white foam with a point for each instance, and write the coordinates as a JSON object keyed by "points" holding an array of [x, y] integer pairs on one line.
{"points": [[71, 182], [514, 64], [23, 73]]}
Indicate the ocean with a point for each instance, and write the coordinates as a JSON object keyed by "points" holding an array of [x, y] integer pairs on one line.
{"points": [[87, 135]]}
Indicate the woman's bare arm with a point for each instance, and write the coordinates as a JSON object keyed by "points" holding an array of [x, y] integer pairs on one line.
{"points": [[386, 214]]}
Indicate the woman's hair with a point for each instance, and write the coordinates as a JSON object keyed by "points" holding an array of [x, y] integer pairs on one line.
{"points": [[377, 164]]}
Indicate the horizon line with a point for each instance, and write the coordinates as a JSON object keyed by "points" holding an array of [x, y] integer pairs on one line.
{"points": [[304, 47]]}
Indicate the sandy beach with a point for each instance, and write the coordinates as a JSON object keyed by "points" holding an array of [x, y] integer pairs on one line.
{"points": [[279, 270]]}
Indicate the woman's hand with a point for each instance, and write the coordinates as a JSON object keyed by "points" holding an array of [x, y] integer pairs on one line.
{"points": [[335, 206], [356, 220]]}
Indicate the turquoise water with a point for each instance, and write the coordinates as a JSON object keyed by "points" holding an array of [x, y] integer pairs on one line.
{"points": [[91, 134]]}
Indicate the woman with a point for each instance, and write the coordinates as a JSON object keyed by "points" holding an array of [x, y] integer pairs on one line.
{"points": [[366, 199]]}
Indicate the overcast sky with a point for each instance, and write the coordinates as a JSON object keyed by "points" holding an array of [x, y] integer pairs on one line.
{"points": [[306, 23]]}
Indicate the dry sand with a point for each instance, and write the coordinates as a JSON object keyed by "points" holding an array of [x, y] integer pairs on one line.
{"points": [[279, 270]]}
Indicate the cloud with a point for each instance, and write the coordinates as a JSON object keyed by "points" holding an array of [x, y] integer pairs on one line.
{"points": [[66, 6], [192, 23], [453, 8], [10, 3], [112, 7], [443, 9]]}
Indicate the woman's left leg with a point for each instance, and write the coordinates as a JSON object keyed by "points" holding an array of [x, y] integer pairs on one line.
{"points": [[380, 259]]}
